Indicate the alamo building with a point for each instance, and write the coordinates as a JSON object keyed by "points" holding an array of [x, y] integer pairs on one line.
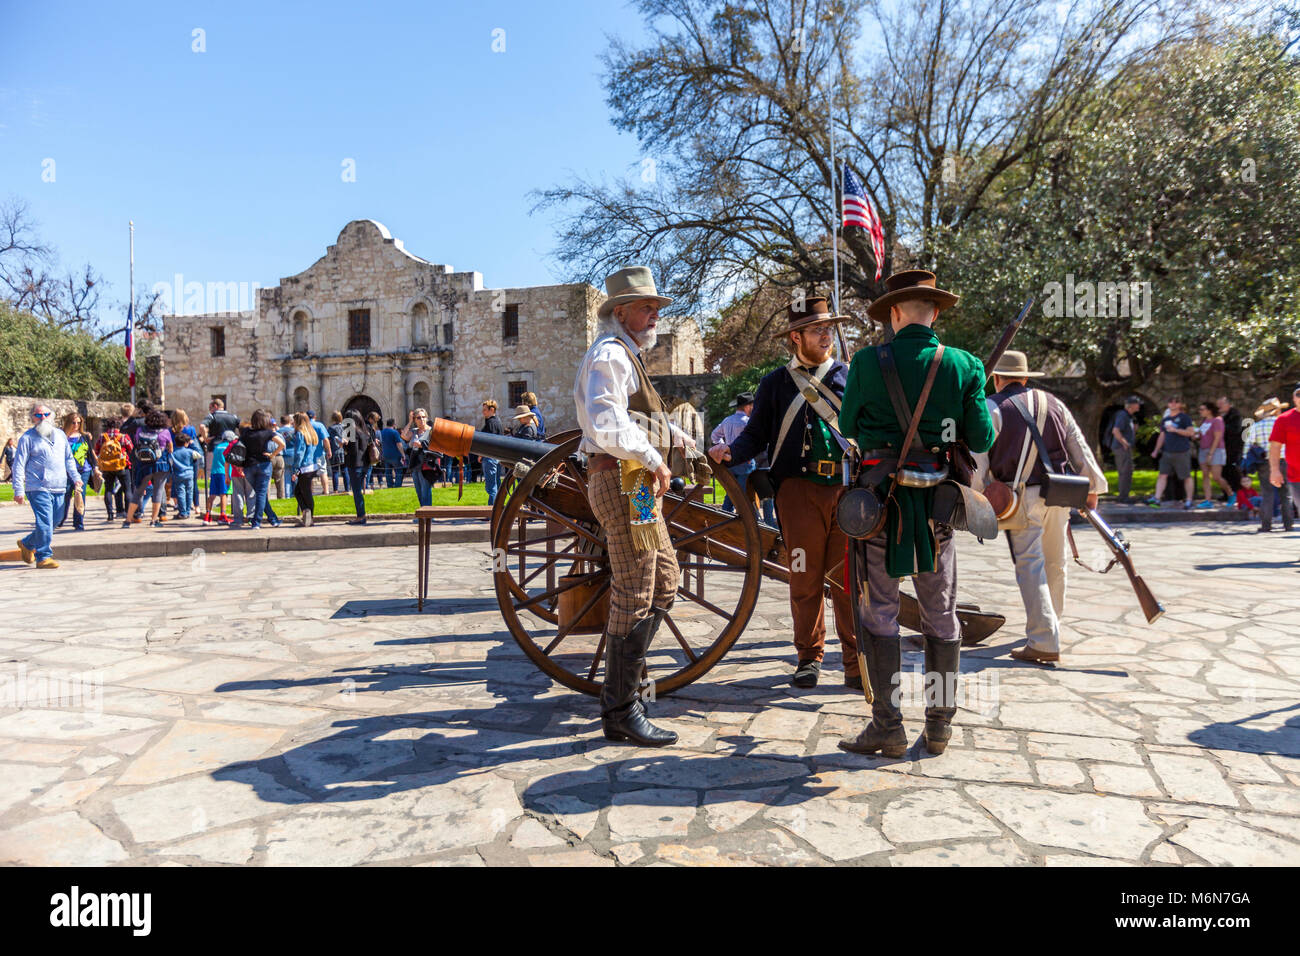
{"points": [[372, 327]]}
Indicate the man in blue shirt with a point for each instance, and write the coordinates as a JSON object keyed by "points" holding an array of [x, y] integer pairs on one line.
{"points": [[43, 467], [390, 449], [728, 431], [1174, 450]]}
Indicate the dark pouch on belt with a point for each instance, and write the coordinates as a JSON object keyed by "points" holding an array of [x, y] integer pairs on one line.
{"points": [[964, 509], [860, 513], [1066, 490]]}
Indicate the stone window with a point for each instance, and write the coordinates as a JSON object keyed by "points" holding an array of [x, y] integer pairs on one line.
{"points": [[446, 333], [300, 399], [299, 333], [358, 328], [510, 324], [218, 341], [692, 366], [517, 390]]}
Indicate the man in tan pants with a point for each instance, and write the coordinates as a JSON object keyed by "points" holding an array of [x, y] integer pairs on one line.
{"points": [[1039, 547]]}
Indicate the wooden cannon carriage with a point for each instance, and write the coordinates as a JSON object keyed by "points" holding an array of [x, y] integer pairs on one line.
{"points": [[552, 573]]}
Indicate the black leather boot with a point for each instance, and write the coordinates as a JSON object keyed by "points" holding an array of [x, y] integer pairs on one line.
{"points": [[942, 661], [622, 714], [884, 734]]}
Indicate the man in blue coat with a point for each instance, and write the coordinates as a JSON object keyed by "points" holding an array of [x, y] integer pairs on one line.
{"points": [[806, 457], [43, 467]]}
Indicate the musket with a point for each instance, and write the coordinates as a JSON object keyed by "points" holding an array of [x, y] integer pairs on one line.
{"points": [[1119, 549], [1005, 341]]}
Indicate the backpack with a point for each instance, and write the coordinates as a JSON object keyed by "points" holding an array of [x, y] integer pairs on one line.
{"points": [[111, 455], [237, 454], [147, 448]]}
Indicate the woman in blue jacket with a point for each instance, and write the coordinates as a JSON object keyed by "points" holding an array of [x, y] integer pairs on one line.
{"points": [[304, 455]]}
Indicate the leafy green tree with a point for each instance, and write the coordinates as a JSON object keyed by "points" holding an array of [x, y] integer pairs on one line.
{"points": [[1182, 181], [40, 359], [719, 405]]}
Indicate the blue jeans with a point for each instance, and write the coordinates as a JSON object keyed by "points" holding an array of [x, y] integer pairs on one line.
{"points": [[394, 472], [355, 476], [423, 493], [185, 495], [741, 473], [365, 479], [259, 476], [491, 478], [46, 506]]}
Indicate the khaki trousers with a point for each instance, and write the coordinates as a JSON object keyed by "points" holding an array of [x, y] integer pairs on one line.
{"points": [[816, 545], [1040, 555], [639, 579]]}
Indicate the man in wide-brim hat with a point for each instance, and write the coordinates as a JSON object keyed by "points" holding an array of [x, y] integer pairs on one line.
{"points": [[806, 461], [911, 544], [1037, 537], [1282, 475], [627, 437]]}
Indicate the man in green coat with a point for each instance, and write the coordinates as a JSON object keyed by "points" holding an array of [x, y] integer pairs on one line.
{"points": [[910, 543]]}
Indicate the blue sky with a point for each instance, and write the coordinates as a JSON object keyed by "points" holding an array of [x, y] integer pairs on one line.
{"points": [[230, 161]]}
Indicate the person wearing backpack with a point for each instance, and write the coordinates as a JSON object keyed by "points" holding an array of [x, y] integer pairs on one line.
{"points": [[235, 456], [337, 470], [262, 444], [185, 463], [153, 447], [356, 446], [113, 452]]}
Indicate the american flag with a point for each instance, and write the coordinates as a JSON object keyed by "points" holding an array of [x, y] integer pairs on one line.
{"points": [[130, 344], [858, 211]]}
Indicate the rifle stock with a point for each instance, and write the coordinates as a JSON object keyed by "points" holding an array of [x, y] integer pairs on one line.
{"points": [[1151, 607]]}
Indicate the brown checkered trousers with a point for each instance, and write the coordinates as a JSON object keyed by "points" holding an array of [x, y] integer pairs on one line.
{"points": [[639, 579]]}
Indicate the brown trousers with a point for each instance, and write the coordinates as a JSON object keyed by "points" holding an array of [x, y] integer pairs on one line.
{"points": [[816, 546]]}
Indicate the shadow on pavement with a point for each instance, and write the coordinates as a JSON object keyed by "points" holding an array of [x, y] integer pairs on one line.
{"points": [[1230, 735]]}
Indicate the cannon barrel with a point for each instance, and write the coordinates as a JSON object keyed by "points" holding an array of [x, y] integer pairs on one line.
{"points": [[459, 440]]}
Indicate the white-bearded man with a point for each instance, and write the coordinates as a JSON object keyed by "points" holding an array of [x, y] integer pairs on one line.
{"points": [[43, 467]]}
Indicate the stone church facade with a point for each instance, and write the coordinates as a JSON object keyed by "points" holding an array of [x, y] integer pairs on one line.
{"points": [[371, 326]]}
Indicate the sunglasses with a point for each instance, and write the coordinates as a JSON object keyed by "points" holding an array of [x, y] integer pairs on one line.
{"points": [[41, 414]]}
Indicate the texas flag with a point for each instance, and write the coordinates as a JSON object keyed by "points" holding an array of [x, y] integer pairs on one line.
{"points": [[130, 345]]}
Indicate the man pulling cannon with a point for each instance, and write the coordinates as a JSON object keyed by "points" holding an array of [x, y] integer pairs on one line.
{"points": [[887, 386], [627, 438], [806, 455]]}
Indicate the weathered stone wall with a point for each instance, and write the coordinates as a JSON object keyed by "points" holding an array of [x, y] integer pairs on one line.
{"points": [[16, 409], [679, 349], [436, 339]]}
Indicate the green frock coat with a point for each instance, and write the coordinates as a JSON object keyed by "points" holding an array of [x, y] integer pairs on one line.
{"points": [[955, 410]]}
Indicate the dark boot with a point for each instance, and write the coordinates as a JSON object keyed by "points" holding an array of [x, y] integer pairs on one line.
{"points": [[884, 734], [942, 658], [622, 714]]}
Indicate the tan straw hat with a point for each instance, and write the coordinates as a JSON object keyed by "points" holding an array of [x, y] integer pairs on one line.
{"points": [[1014, 364], [1270, 406], [629, 285]]}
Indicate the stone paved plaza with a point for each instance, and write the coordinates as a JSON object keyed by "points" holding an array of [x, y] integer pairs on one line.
{"points": [[292, 708]]}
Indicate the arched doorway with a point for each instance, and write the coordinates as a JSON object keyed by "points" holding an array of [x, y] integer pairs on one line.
{"points": [[363, 404]]}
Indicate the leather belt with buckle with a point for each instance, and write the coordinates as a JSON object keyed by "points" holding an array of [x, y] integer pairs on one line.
{"points": [[599, 461], [823, 468]]}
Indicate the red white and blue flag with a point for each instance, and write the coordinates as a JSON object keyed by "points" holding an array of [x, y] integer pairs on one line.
{"points": [[858, 211], [130, 345]]}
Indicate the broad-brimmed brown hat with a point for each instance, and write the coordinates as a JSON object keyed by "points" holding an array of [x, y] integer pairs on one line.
{"points": [[629, 285], [1270, 406], [815, 309], [906, 286], [523, 411], [1015, 364]]}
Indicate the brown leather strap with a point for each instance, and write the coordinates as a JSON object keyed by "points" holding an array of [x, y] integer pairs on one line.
{"points": [[889, 371], [599, 461], [930, 376]]}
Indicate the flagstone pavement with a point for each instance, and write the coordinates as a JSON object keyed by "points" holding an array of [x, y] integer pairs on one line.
{"points": [[292, 708]]}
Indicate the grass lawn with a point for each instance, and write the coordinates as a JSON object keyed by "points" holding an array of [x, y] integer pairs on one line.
{"points": [[1144, 482]]}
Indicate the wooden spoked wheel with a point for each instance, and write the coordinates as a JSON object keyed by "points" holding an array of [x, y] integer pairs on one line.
{"points": [[552, 576]]}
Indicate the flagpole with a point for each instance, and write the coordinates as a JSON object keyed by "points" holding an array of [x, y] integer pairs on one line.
{"points": [[835, 209], [130, 306]]}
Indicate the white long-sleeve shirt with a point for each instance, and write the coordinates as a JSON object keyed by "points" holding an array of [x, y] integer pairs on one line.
{"points": [[605, 379]]}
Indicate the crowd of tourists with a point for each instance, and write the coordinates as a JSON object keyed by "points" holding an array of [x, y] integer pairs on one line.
{"points": [[148, 461]]}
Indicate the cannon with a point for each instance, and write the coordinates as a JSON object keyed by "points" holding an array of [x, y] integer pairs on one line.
{"points": [[552, 578]]}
